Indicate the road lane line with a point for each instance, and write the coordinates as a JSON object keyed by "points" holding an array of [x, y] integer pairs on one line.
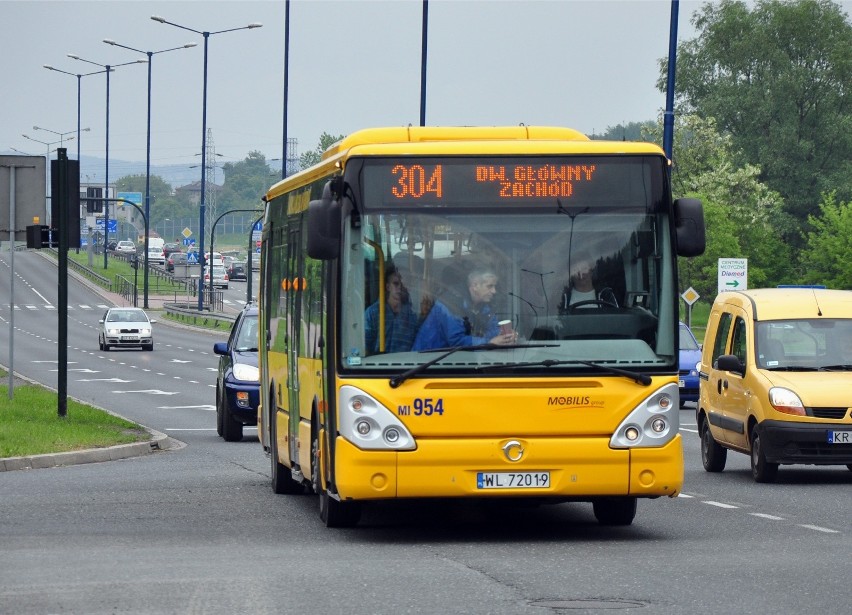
{"points": [[817, 528], [719, 504]]}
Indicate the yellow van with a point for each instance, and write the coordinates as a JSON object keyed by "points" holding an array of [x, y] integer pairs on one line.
{"points": [[775, 379]]}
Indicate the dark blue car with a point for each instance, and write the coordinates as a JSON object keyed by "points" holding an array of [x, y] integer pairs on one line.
{"points": [[237, 382], [690, 356]]}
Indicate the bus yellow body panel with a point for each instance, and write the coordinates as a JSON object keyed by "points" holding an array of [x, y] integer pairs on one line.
{"points": [[579, 467]]}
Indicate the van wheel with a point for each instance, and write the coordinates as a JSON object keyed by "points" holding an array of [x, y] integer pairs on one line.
{"points": [[333, 513], [761, 470], [615, 511], [713, 456]]}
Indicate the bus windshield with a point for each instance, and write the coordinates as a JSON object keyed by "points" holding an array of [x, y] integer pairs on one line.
{"points": [[536, 265]]}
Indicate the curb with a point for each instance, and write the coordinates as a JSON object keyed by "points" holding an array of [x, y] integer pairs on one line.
{"points": [[158, 442]]}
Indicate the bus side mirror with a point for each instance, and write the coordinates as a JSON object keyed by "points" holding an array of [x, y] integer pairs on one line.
{"points": [[324, 229], [689, 227]]}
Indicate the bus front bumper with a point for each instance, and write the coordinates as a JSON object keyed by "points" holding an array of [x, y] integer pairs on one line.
{"points": [[577, 468]]}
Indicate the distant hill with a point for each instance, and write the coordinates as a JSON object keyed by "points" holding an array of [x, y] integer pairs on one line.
{"points": [[176, 175]]}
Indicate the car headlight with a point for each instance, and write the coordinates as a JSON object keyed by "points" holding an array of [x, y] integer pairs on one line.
{"points": [[786, 401], [112, 331], [247, 373], [145, 331]]}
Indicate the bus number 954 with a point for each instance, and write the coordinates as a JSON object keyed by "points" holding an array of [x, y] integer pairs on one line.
{"points": [[422, 407]]}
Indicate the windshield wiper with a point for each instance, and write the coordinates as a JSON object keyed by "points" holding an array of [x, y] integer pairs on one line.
{"points": [[643, 379], [793, 368], [417, 369]]}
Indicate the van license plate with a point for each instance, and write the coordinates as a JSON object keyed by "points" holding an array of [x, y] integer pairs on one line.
{"points": [[840, 437], [512, 480]]}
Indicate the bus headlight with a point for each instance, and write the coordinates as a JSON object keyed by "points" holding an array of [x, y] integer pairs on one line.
{"points": [[369, 425], [652, 423]]}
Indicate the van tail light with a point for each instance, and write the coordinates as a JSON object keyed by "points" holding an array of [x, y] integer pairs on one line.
{"points": [[786, 401]]}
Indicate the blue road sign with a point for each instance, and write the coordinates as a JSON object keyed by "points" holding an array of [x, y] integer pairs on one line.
{"points": [[188, 242], [192, 258], [258, 226]]}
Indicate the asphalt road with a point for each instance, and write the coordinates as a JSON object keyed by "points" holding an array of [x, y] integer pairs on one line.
{"points": [[198, 530]]}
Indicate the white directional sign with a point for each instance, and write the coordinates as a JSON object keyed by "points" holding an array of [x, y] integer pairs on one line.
{"points": [[733, 274]]}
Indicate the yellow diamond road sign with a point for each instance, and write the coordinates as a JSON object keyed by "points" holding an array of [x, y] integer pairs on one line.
{"points": [[690, 296], [187, 233]]}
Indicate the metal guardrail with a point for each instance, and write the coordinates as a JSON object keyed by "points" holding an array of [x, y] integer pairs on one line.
{"points": [[82, 270], [190, 312], [127, 289]]}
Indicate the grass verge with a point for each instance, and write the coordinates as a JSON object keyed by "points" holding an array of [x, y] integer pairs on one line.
{"points": [[30, 424]]}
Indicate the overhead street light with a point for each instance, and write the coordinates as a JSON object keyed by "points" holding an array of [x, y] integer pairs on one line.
{"points": [[203, 207], [108, 68], [150, 55], [79, 78], [60, 134]]}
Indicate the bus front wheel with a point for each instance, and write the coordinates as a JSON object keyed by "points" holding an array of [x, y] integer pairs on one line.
{"points": [[333, 513], [615, 511]]}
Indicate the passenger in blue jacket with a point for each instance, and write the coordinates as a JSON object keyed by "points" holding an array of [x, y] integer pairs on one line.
{"points": [[400, 320], [474, 323]]}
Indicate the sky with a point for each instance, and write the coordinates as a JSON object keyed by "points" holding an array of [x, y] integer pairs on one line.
{"points": [[352, 64]]}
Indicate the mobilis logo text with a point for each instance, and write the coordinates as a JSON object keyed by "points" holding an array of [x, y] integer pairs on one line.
{"points": [[575, 401]]}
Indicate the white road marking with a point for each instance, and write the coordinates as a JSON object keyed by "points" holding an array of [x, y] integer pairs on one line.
{"points": [[817, 528], [180, 361], [720, 504], [104, 380], [765, 516]]}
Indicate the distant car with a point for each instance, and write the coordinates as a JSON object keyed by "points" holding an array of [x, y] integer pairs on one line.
{"points": [[690, 359], [237, 380], [170, 248], [112, 245], [220, 276], [156, 256], [175, 258], [125, 247], [237, 271], [126, 326]]}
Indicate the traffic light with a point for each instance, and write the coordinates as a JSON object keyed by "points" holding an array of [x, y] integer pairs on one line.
{"points": [[94, 207], [72, 190]]}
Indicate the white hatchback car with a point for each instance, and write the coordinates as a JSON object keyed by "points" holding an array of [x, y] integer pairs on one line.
{"points": [[125, 247], [126, 326]]}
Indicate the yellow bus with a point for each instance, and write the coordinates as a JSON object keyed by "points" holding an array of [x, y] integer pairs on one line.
{"points": [[427, 334]]}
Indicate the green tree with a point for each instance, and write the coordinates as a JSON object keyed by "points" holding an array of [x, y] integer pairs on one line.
{"points": [[741, 214], [162, 201], [777, 79], [246, 182], [312, 157], [826, 256]]}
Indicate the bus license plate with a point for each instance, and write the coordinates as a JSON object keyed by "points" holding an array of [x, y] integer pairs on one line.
{"points": [[840, 437], [512, 480]]}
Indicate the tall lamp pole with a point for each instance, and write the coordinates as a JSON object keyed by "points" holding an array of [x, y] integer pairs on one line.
{"points": [[108, 68], [150, 55], [203, 207], [79, 79]]}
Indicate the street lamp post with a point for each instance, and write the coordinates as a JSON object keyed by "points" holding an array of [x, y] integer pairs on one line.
{"points": [[79, 79], [108, 68], [61, 135], [203, 205], [150, 55]]}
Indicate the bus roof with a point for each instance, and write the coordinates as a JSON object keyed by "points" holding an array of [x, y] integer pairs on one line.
{"points": [[460, 141]]}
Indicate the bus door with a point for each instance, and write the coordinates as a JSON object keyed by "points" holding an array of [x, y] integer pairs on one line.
{"points": [[295, 277], [264, 294]]}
